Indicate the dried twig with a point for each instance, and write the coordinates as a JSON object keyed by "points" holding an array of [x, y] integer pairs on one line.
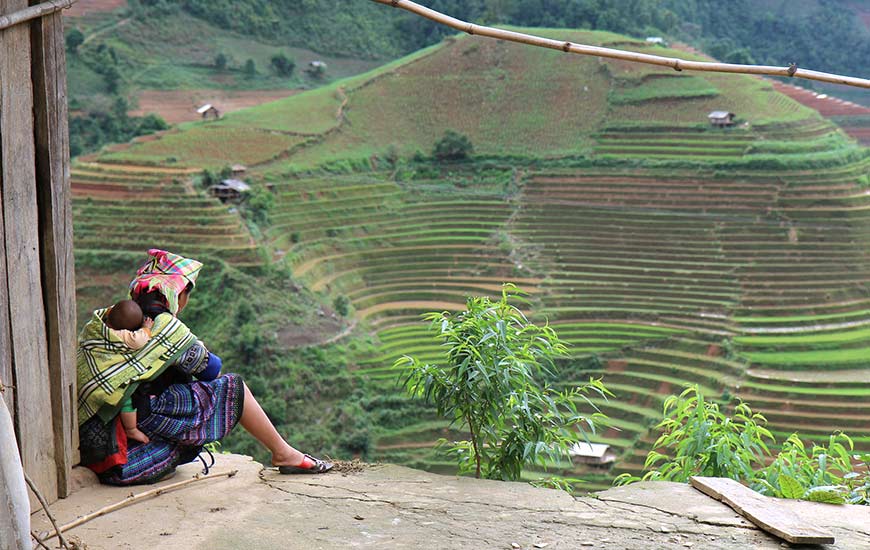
{"points": [[132, 499], [39, 540], [44, 504], [672, 62]]}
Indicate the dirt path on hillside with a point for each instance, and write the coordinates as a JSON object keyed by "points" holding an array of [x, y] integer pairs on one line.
{"points": [[427, 305], [825, 376], [104, 30]]}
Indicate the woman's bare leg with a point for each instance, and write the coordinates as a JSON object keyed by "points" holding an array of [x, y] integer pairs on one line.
{"points": [[255, 421]]}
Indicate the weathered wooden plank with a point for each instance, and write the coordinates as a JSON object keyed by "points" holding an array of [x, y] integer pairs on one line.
{"points": [[761, 510], [55, 226], [33, 12], [20, 220]]}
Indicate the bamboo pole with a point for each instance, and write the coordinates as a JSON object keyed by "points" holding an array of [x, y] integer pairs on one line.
{"points": [[581, 49], [132, 499], [33, 12]]}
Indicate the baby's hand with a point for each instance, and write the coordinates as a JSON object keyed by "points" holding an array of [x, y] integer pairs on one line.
{"points": [[148, 323], [136, 435]]}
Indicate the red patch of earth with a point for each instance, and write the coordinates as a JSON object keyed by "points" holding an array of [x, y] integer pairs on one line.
{"points": [[85, 7], [714, 350], [826, 105], [180, 105], [861, 134], [616, 365], [106, 192]]}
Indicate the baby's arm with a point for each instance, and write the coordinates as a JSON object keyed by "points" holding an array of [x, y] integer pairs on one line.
{"points": [[129, 421]]}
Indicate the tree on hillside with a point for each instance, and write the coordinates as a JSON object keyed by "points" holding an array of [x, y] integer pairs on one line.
{"points": [[74, 39], [283, 65], [220, 62], [250, 69], [453, 146]]}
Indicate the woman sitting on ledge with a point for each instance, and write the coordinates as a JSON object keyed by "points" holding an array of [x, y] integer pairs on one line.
{"points": [[173, 383]]}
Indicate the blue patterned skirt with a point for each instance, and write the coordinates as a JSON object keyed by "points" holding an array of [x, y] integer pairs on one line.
{"points": [[183, 418]]}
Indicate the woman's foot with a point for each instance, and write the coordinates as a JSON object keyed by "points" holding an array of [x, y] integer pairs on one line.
{"points": [[287, 457], [308, 465]]}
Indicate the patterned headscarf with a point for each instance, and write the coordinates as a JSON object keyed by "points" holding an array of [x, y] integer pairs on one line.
{"points": [[167, 273]]}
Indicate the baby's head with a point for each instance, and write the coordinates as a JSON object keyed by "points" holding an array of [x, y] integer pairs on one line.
{"points": [[125, 315]]}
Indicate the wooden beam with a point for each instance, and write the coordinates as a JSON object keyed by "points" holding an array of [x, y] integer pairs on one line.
{"points": [[764, 512], [33, 12], [55, 229], [23, 273]]}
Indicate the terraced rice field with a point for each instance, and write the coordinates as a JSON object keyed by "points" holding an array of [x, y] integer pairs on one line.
{"points": [[735, 259], [747, 283], [131, 208]]}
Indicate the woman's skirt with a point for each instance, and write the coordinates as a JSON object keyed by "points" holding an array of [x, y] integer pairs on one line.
{"points": [[183, 418]]}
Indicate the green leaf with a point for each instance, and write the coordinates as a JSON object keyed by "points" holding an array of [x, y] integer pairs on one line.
{"points": [[828, 494], [789, 487]]}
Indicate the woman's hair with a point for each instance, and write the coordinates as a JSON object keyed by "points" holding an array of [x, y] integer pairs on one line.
{"points": [[154, 303]]}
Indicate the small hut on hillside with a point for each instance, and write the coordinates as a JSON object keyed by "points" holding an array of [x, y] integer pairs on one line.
{"points": [[230, 190], [593, 454], [209, 110], [238, 170], [720, 119]]}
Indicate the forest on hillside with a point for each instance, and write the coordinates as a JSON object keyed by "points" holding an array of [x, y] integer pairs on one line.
{"points": [[106, 73], [774, 32]]}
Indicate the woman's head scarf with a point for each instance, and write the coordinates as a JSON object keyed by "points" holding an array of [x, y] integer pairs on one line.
{"points": [[167, 273]]}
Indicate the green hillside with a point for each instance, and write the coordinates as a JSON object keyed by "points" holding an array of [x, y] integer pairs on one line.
{"points": [[664, 250]]}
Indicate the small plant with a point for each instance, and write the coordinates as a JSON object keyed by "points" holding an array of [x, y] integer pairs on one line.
{"points": [[491, 386], [817, 476], [705, 442], [453, 146]]}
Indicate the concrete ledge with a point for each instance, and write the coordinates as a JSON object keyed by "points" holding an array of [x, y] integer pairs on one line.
{"points": [[395, 507]]}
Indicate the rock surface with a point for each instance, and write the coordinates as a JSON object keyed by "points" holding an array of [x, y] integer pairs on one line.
{"points": [[396, 507]]}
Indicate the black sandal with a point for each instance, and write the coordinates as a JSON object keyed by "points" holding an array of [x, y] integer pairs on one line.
{"points": [[320, 467]]}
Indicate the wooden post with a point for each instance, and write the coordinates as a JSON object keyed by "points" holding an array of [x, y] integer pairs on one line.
{"points": [[15, 519], [55, 229], [25, 306]]}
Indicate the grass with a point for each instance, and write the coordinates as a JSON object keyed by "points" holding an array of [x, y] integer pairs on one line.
{"points": [[672, 87]]}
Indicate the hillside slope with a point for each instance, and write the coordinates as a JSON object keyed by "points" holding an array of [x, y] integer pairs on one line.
{"points": [[664, 250]]}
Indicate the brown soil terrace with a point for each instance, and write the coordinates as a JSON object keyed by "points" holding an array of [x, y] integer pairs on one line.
{"points": [[180, 105], [86, 7]]}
